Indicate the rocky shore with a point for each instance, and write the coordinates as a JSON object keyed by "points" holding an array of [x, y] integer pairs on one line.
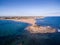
{"points": [[40, 29]]}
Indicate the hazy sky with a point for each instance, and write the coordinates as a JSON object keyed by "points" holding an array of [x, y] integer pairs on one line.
{"points": [[29, 7]]}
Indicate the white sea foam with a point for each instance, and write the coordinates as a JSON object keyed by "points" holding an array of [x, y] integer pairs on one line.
{"points": [[58, 30]]}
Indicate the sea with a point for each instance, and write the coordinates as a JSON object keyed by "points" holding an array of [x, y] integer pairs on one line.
{"points": [[49, 21], [14, 33]]}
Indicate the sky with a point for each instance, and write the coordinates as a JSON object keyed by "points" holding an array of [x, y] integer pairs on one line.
{"points": [[29, 7]]}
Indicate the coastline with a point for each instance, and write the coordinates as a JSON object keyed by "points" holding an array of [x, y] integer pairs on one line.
{"points": [[34, 28]]}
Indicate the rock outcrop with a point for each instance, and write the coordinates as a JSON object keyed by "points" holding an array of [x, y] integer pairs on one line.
{"points": [[40, 29]]}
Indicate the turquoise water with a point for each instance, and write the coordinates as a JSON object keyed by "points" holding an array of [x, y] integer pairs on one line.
{"points": [[9, 27]]}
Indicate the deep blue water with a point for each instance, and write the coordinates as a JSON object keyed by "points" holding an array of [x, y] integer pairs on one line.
{"points": [[49, 21]]}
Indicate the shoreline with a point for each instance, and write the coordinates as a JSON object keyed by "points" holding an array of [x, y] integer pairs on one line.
{"points": [[34, 28]]}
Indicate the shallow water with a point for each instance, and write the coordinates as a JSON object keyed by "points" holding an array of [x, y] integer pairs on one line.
{"points": [[9, 27]]}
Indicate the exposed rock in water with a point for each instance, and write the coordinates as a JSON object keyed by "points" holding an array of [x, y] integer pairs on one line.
{"points": [[40, 29]]}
